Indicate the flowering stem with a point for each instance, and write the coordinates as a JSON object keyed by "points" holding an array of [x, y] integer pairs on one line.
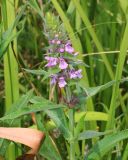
{"points": [[71, 125]]}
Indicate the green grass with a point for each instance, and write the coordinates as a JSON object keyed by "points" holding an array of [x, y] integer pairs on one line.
{"points": [[10, 67]]}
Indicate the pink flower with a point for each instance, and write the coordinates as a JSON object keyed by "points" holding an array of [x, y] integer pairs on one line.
{"points": [[62, 82], [78, 73], [72, 74], [52, 61], [53, 79], [62, 63], [69, 48], [53, 41], [61, 50], [58, 42], [75, 74]]}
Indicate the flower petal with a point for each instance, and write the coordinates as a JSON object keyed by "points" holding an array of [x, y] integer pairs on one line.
{"points": [[62, 82], [62, 63]]}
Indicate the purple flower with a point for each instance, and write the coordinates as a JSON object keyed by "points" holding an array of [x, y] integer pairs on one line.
{"points": [[72, 74], [62, 63], [53, 79], [58, 42], [61, 50], [53, 41], [78, 73], [51, 61], [62, 82], [75, 74], [69, 48]]}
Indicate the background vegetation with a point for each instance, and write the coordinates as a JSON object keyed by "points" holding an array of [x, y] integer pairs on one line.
{"points": [[98, 30]]}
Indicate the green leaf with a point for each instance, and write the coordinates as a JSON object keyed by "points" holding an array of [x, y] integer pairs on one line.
{"points": [[124, 6], [94, 90], [57, 116], [3, 146], [27, 109], [91, 134], [79, 117], [46, 74], [92, 32], [8, 35], [36, 7], [106, 144], [48, 145], [59, 119], [7, 38], [48, 149], [23, 101], [91, 116], [36, 72], [80, 125]]}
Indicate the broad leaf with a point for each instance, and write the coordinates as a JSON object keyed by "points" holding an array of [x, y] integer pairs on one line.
{"points": [[48, 144], [48, 149], [27, 109], [45, 74], [105, 145], [59, 119]]}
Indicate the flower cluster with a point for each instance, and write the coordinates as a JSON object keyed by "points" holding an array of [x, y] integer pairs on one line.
{"points": [[56, 58]]}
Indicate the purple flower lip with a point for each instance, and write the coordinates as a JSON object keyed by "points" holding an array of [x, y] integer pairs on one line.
{"points": [[68, 43], [69, 48], [75, 74], [52, 61], [61, 50], [62, 83], [53, 41], [78, 73], [72, 74], [58, 42], [53, 79], [62, 63]]}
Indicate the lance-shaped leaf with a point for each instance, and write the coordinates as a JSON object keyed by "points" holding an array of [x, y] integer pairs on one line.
{"points": [[103, 146], [59, 119], [94, 90], [30, 108], [44, 73], [49, 147], [91, 134]]}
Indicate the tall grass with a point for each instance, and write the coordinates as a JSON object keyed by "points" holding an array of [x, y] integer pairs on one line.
{"points": [[10, 66]]}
